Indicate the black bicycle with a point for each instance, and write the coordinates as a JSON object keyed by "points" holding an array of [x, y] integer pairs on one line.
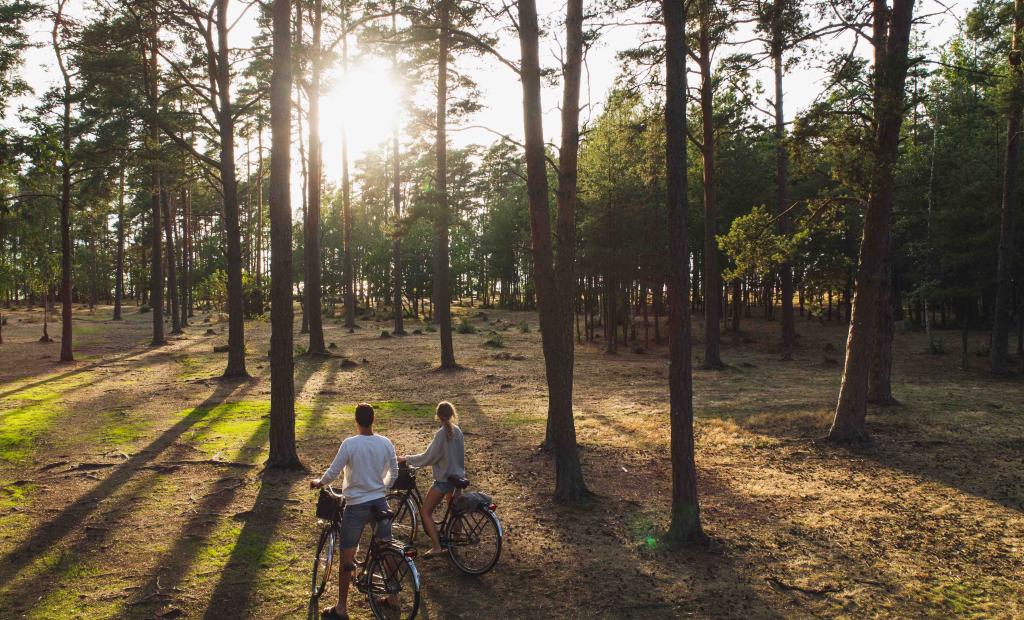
{"points": [[385, 573], [469, 529]]}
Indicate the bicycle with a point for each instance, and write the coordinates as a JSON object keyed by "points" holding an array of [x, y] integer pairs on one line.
{"points": [[471, 533], [386, 573]]}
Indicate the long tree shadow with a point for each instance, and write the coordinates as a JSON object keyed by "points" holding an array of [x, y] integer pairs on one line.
{"points": [[174, 565], [979, 452], [238, 579], [582, 554], [77, 371], [48, 534]]}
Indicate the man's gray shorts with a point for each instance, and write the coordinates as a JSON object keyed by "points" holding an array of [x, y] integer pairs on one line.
{"points": [[355, 518]]}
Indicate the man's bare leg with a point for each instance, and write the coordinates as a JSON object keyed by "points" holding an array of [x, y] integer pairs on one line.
{"points": [[348, 557]]}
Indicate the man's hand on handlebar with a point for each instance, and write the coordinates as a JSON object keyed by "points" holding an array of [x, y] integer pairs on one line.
{"points": [[315, 483], [401, 460]]}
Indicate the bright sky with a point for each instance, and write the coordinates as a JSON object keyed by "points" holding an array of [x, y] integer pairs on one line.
{"points": [[368, 101]]}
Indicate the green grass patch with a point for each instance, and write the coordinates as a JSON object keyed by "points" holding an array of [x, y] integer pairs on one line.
{"points": [[14, 494], [190, 367], [119, 428], [397, 408], [643, 531], [37, 404], [517, 418], [235, 431]]}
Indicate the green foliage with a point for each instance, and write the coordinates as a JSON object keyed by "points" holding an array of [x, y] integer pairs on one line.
{"points": [[465, 327], [753, 245]]}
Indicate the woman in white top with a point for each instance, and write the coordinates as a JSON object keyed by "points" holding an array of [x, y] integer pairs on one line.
{"points": [[446, 454]]}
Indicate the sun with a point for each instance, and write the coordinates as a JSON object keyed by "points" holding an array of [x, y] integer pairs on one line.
{"points": [[366, 103]]}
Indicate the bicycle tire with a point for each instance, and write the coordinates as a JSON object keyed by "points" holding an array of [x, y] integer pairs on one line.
{"points": [[478, 530], [323, 567], [391, 573], [407, 517]]}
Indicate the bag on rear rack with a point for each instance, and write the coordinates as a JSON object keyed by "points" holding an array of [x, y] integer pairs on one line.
{"points": [[472, 501], [327, 506]]}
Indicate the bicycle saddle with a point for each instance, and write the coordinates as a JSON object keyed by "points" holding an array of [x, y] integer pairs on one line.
{"points": [[383, 515], [460, 483]]}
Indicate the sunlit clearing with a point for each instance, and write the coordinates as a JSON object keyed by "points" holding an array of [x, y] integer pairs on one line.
{"points": [[367, 104]]}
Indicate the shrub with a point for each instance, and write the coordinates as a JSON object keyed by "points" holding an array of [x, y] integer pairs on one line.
{"points": [[524, 327], [465, 327], [144, 308], [496, 340]]}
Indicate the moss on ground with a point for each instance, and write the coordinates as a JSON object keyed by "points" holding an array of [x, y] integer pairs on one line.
{"points": [[240, 427], [119, 428], [36, 405], [397, 408]]}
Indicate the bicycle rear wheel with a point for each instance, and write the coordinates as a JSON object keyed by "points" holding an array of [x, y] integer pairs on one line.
{"points": [[474, 539], [323, 568], [407, 518], [394, 585]]}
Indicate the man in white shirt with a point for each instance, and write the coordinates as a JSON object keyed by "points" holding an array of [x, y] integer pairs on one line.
{"points": [[370, 466]]}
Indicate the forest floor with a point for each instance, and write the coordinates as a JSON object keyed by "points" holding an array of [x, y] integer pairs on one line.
{"points": [[131, 481]]}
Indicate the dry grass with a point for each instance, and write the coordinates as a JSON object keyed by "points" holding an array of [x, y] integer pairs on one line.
{"points": [[130, 483]]}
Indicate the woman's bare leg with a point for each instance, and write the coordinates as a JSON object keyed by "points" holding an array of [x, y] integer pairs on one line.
{"points": [[430, 502]]}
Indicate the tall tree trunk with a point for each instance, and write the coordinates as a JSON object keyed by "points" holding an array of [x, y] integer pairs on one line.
{"points": [[346, 204], [685, 526], [282, 364], [891, 39], [312, 290], [259, 217], [880, 373], [226, 126], [999, 349], [554, 303], [156, 268], [396, 198], [782, 180], [172, 272], [66, 353], [119, 260], [186, 230], [442, 287], [712, 275]]}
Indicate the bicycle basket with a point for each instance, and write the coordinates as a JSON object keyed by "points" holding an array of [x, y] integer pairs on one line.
{"points": [[406, 479], [471, 501], [327, 507]]}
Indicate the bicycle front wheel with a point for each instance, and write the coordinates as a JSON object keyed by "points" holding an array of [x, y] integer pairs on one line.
{"points": [[394, 585], [474, 539], [323, 568], [407, 517]]}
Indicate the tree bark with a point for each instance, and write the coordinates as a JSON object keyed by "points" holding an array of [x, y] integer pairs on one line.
{"points": [[119, 260], [226, 126], [172, 271], [880, 374], [186, 228], [999, 349], [685, 526], [396, 197], [712, 274], [554, 305], [156, 268], [891, 39], [312, 289], [346, 204], [442, 286], [282, 364], [782, 179]]}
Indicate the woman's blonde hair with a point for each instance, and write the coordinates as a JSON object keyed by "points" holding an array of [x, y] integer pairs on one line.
{"points": [[447, 415]]}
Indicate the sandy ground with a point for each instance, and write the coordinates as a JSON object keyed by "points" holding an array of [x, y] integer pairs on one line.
{"points": [[131, 482]]}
